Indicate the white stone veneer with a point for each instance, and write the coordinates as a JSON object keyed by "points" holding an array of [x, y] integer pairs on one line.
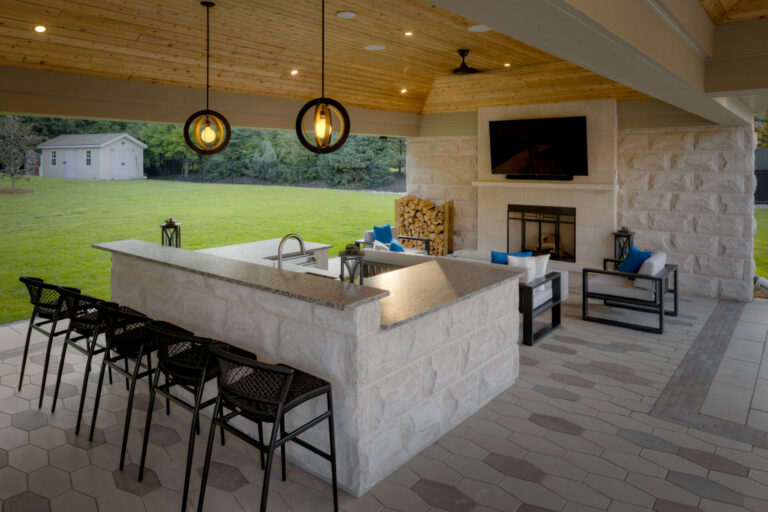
{"points": [[690, 192], [395, 391]]}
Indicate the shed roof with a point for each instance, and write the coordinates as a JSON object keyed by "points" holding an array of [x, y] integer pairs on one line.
{"points": [[86, 140]]}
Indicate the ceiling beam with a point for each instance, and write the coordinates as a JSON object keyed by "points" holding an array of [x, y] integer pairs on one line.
{"points": [[627, 41], [48, 93]]}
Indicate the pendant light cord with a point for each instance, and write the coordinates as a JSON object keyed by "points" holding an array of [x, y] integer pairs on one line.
{"points": [[322, 80], [208, 53]]}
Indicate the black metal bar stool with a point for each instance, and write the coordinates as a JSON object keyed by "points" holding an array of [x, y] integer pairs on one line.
{"points": [[186, 363], [85, 325], [264, 393], [48, 305], [125, 339]]}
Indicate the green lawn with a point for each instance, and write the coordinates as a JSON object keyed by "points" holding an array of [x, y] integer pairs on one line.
{"points": [[761, 242], [49, 233]]}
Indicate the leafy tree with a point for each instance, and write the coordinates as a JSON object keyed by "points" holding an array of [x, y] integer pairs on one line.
{"points": [[761, 127], [17, 140]]}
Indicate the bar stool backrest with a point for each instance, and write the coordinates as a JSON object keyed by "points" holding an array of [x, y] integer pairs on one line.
{"points": [[44, 296], [258, 389], [179, 351], [81, 310], [123, 326]]}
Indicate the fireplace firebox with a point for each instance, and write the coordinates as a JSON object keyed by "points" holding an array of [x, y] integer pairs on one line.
{"points": [[542, 229]]}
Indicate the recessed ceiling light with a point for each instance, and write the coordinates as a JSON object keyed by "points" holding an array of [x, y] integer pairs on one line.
{"points": [[403, 91], [294, 72], [40, 28], [478, 28], [346, 15], [375, 47], [507, 64], [408, 34]]}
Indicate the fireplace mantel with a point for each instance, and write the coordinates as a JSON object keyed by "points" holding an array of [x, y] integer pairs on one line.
{"points": [[564, 186]]}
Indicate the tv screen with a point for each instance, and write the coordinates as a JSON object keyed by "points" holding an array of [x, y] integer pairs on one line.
{"points": [[554, 148]]}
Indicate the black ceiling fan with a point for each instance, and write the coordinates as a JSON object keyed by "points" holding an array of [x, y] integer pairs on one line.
{"points": [[464, 69]]}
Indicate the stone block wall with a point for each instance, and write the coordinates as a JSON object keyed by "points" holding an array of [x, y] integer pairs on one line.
{"points": [[690, 192], [443, 169]]}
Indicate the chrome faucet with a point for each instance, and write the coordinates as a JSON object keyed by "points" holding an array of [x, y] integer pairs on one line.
{"points": [[280, 247]]}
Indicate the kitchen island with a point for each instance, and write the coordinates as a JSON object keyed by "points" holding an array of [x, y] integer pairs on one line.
{"points": [[409, 357]]}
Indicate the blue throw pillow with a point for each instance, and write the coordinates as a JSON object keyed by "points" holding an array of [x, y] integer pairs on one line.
{"points": [[383, 233], [634, 260], [501, 257], [395, 246]]}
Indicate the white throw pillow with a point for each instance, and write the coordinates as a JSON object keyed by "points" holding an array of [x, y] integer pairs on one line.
{"points": [[526, 262], [380, 246], [541, 264], [651, 266]]}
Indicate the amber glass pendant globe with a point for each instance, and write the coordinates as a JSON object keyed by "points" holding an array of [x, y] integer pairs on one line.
{"points": [[207, 132], [324, 128]]}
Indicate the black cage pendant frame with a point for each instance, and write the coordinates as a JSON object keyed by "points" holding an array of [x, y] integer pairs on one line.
{"points": [[331, 108], [207, 122]]}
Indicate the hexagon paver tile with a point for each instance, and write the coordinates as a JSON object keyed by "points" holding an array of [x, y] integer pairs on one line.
{"points": [[3, 458], [82, 440], [119, 501], [670, 506], [47, 437], [12, 481], [225, 477], [28, 458], [26, 502], [69, 457], [93, 481], [515, 467], [443, 496], [73, 500], [572, 380], [127, 480], [646, 440], [713, 462], [65, 390], [705, 488], [49, 482], [141, 402], [106, 456], [12, 437], [160, 435], [556, 424]]}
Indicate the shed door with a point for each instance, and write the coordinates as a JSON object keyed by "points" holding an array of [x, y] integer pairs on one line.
{"points": [[69, 161], [122, 163]]}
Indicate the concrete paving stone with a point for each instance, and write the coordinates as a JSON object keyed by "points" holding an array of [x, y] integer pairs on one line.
{"points": [[68, 457], [553, 392], [443, 496], [119, 501], [434, 470], [556, 424], [557, 466], [572, 380], [30, 419], [635, 463], [758, 419], [496, 445], [595, 465], [727, 402], [611, 442], [47, 437], [26, 502], [751, 460], [576, 491], [704, 487], [28, 458], [12, 482], [437, 452], [162, 500], [735, 372], [487, 427], [49, 482], [128, 481], [662, 505], [619, 490], [713, 461], [745, 349], [537, 444], [463, 447], [12, 437], [574, 443], [745, 486], [674, 462], [73, 500], [93, 481], [646, 440], [625, 422], [398, 497], [532, 494], [473, 468]]}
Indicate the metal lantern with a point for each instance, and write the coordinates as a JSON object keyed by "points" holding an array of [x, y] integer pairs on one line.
{"points": [[352, 261], [170, 233], [623, 239]]}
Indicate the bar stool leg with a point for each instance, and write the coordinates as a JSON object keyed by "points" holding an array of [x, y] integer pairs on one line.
{"points": [[191, 448], [26, 347], [332, 439], [126, 428], [147, 426], [47, 359], [268, 469], [282, 447], [208, 450], [61, 368], [261, 440], [98, 393]]}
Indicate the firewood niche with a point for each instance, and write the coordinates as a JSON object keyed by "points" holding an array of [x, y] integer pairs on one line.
{"points": [[427, 219]]}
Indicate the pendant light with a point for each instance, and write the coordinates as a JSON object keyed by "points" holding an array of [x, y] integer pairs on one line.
{"points": [[206, 131], [330, 121]]}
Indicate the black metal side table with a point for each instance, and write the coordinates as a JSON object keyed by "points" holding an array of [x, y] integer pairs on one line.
{"points": [[352, 261], [623, 239]]}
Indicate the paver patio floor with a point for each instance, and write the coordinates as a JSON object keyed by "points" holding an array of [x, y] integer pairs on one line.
{"points": [[601, 418]]}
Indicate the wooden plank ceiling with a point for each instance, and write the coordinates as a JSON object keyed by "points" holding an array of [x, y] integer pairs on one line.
{"points": [[728, 11], [256, 43]]}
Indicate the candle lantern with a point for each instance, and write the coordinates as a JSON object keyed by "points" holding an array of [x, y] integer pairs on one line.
{"points": [[622, 241], [352, 261], [171, 233]]}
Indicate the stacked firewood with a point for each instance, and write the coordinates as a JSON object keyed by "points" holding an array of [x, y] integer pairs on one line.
{"points": [[427, 219]]}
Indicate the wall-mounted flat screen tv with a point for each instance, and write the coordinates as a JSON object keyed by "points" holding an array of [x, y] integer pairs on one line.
{"points": [[553, 148]]}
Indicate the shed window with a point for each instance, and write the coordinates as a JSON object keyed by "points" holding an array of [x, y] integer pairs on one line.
{"points": [[53, 158], [88, 157]]}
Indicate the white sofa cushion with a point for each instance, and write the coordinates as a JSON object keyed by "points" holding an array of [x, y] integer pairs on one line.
{"points": [[525, 263], [651, 266], [541, 295], [617, 285]]}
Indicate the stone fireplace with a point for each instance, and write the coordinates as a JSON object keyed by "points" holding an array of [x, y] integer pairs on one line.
{"points": [[542, 230]]}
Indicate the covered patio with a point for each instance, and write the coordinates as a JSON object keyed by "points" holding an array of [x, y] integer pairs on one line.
{"points": [[439, 405]]}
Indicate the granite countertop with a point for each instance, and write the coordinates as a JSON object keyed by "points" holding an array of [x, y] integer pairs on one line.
{"points": [[417, 290], [302, 286], [255, 251]]}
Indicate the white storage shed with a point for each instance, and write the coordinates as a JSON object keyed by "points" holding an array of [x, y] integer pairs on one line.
{"points": [[93, 156]]}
